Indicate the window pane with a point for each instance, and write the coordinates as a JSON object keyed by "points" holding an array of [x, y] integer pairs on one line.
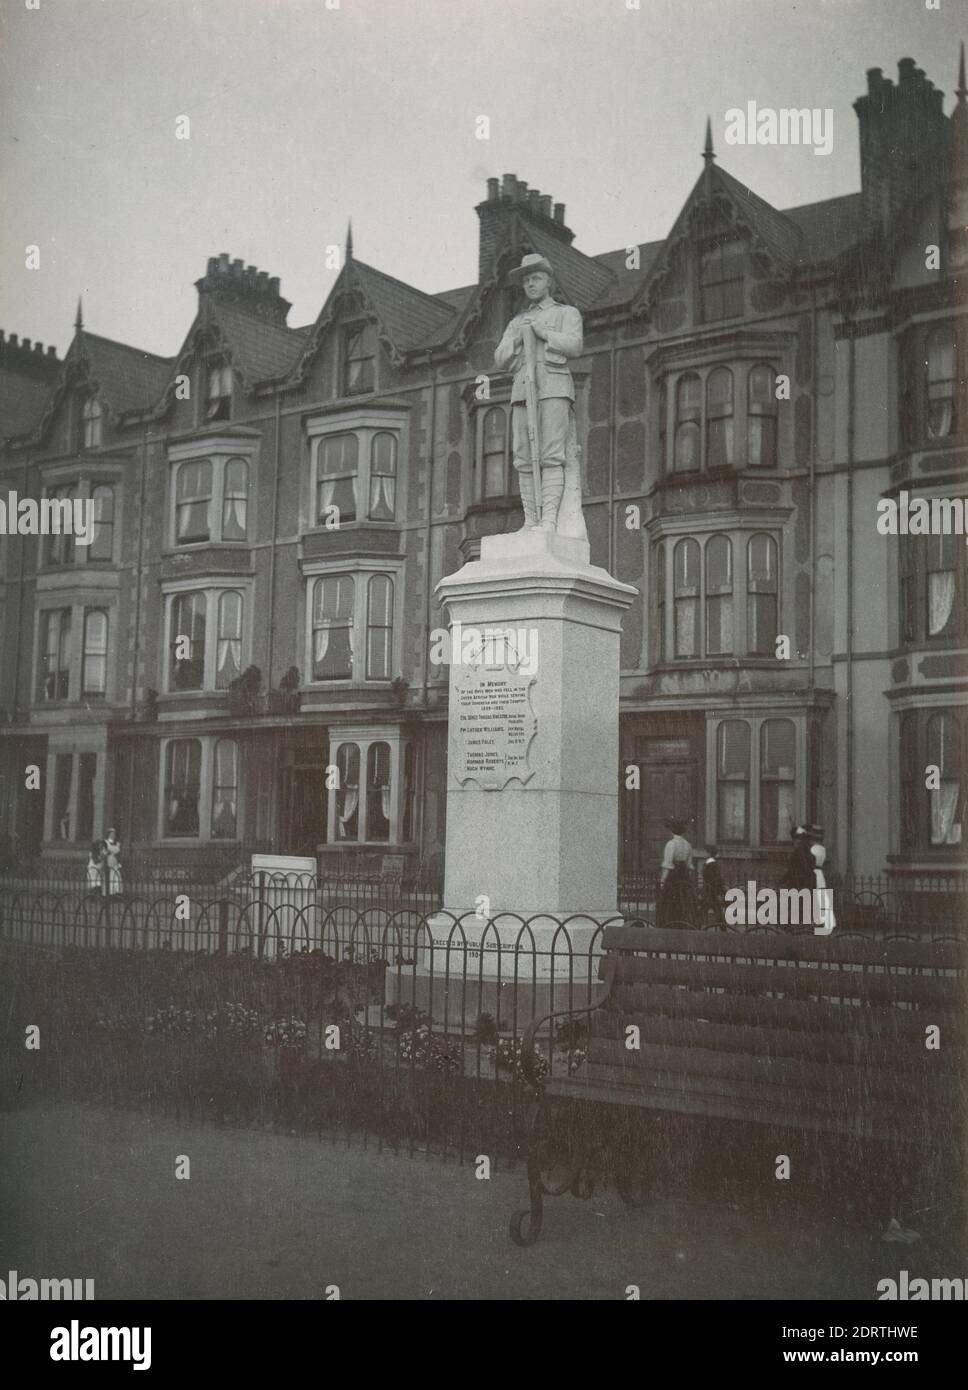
{"points": [[63, 777], [225, 790], [719, 596], [941, 353], [60, 543], [333, 607], [686, 581], [378, 791], [94, 672], [348, 792], [494, 435], [734, 748], [761, 602], [228, 657], [338, 467], [235, 500], [777, 780], [379, 627], [360, 352], [383, 474], [193, 498], [102, 542], [945, 801], [733, 764], [183, 766], [719, 418], [188, 641], [86, 779]]}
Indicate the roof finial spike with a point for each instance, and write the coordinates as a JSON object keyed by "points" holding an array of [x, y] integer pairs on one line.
{"points": [[960, 91], [349, 239], [79, 320], [708, 152]]}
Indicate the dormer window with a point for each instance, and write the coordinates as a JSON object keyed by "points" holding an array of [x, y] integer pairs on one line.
{"points": [[359, 359], [721, 281], [219, 391], [91, 423]]}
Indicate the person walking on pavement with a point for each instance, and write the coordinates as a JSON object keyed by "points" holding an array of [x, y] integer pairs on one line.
{"points": [[677, 897]]}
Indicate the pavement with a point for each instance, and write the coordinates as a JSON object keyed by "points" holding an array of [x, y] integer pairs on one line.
{"points": [[90, 1192]]}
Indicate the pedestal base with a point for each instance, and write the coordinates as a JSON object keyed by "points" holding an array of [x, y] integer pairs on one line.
{"points": [[514, 972]]}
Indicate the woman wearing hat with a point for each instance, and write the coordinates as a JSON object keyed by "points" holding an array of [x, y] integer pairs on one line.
{"points": [[677, 896]]}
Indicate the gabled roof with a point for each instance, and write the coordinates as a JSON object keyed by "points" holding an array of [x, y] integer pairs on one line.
{"points": [[409, 318], [260, 351], [582, 279], [22, 402], [830, 226], [127, 378]]}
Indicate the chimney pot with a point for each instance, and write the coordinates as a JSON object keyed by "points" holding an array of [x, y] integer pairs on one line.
{"points": [[492, 190], [875, 76], [263, 279], [26, 344], [237, 267], [533, 196], [12, 340], [274, 284], [521, 191], [544, 204], [223, 262], [507, 185], [905, 71], [51, 352], [560, 212]]}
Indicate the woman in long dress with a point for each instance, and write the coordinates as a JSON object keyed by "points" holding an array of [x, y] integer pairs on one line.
{"points": [[677, 896], [112, 859]]}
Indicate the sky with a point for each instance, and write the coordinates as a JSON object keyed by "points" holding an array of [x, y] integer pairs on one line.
{"points": [[302, 115]]}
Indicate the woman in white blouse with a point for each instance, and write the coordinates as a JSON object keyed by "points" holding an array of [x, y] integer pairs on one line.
{"points": [[677, 895]]}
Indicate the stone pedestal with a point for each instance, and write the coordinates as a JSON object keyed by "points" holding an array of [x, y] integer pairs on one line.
{"points": [[533, 776]]}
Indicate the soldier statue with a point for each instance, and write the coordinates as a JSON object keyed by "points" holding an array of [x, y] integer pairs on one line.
{"points": [[542, 400]]}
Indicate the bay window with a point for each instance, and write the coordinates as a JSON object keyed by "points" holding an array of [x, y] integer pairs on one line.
{"points": [[756, 766], [206, 637], [200, 789], [210, 501], [933, 746], [722, 417], [355, 467], [351, 626], [371, 800]]}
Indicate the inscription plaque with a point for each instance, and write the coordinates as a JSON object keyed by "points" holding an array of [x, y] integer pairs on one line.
{"points": [[493, 726]]}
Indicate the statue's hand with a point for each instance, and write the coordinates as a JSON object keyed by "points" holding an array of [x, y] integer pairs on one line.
{"points": [[539, 331]]}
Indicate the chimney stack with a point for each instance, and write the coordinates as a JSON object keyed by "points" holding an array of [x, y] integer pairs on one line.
{"points": [[245, 286], [902, 141], [507, 199]]}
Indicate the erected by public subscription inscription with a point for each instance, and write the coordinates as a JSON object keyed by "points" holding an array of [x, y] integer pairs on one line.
{"points": [[494, 726]]}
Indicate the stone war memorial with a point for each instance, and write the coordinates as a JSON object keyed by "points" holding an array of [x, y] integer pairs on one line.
{"points": [[532, 794]]}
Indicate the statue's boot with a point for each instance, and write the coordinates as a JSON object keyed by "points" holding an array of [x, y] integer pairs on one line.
{"points": [[552, 487], [526, 484]]}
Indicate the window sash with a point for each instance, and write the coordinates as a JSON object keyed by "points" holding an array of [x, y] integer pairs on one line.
{"points": [[183, 786], [94, 664]]}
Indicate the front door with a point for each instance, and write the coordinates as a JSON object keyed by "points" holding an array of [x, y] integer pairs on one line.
{"points": [[305, 803], [668, 786]]}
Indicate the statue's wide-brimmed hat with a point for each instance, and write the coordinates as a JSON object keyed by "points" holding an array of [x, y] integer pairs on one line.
{"points": [[529, 264]]}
